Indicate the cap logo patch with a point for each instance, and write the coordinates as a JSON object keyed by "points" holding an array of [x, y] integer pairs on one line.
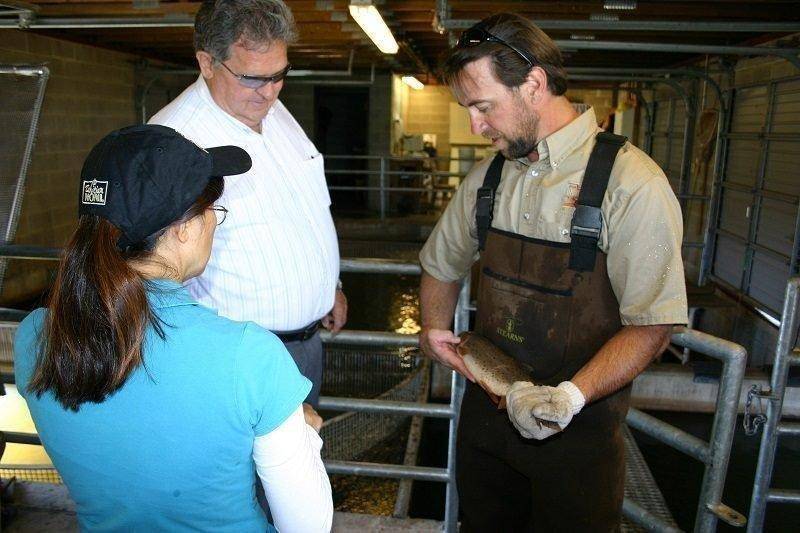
{"points": [[94, 192]]}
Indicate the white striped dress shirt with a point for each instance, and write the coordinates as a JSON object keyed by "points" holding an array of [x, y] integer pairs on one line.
{"points": [[275, 259]]}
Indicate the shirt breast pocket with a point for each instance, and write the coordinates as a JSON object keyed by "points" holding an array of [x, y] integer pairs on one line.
{"points": [[313, 172]]}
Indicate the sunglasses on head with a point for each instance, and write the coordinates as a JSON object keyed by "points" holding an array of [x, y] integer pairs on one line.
{"points": [[477, 35], [256, 82]]}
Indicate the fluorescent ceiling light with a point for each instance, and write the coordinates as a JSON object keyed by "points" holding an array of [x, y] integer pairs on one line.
{"points": [[620, 5], [373, 25], [413, 82], [582, 37], [604, 17]]}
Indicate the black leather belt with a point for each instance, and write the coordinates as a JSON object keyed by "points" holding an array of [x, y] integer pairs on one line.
{"points": [[302, 334]]}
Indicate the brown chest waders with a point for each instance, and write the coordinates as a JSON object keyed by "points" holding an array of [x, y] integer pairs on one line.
{"points": [[551, 306]]}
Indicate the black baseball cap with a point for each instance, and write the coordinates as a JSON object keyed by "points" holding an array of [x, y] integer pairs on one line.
{"points": [[144, 178]]}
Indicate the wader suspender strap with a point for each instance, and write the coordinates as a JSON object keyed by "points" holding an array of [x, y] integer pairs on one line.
{"points": [[484, 204], [587, 219]]}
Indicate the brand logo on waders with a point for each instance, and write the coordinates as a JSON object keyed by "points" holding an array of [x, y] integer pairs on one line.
{"points": [[507, 331]]}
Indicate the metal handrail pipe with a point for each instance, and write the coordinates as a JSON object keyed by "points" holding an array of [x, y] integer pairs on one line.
{"points": [[789, 428], [708, 344], [389, 189], [646, 25], [66, 23], [12, 315], [405, 158], [762, 493], [379, 266], [734, 358], [644, 518], [22, 251], [360, 172], [669, 434], [676, 48], [24, 70], [356, 468], [370, 338], [432, 410], [16, 437], [783, 496]]}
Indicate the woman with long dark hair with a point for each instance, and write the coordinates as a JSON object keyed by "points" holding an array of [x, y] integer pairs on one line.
{"points": [[155, 410]]}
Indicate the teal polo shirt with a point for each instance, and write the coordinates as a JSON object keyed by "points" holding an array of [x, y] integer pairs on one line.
{"points": [[172, 449]]}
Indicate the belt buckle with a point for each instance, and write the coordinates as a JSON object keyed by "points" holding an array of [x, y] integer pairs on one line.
{"points": [[309, 330]]}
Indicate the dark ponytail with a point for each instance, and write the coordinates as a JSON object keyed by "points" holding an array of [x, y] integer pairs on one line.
{"points": [[98, 312]]}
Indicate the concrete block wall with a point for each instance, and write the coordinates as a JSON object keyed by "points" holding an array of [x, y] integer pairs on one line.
{"points": [[90, 92], [429, 112]]}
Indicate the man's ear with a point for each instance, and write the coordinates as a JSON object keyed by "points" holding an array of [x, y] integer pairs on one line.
{"points": [[535, 84], [206, 63]]}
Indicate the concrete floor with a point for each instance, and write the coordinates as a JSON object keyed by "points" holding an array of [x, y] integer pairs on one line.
{"points": [[45, 507]]}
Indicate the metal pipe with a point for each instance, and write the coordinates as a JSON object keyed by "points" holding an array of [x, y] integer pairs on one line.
{"points": [[668, 434], [789, 428], [423, 473], [12, 315], [370, 338], [734, 359], [377, 266], [644, 518], [708, 344], [21, 251], [457, 386], [783, 496], [19, 187], [647, 25], [24, 70], [392, 407], [790, 54], [68, 23], [769, 439], [15, 437], [382, 184]]}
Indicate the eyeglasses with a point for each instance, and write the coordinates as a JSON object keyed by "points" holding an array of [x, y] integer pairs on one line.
{"points": [[220, 212], [477, 35], [256, 82]]}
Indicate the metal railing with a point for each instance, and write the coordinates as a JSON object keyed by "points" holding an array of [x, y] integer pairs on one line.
{"points": [[715, 453], [786, 355], [449, 411], [380, 174], [349, 337]]}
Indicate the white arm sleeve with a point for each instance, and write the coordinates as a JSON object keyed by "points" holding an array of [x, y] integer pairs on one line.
{"points": [[289, 465]]}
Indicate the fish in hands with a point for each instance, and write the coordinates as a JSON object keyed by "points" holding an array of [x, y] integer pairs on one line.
{"points": [[496, 372]]}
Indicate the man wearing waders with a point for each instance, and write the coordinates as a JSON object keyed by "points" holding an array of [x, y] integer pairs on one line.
{"points": [[579, 239]]}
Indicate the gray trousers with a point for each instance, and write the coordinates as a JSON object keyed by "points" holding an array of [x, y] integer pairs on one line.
{"points": [[310, 359]]}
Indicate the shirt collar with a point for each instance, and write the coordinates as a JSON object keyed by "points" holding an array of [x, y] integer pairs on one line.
{"points": [[205, 94], [163, 293], [560, 144]]}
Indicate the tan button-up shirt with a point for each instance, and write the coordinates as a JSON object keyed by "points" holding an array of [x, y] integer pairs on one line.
{"points": [[642, 223]]}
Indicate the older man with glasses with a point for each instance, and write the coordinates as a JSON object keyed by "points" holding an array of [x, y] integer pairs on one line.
{"points": [[579, 238], [275, 261]]}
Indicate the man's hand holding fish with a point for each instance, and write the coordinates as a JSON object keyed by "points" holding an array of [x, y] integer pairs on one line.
{"points": [[440, 345], [529, 405]]}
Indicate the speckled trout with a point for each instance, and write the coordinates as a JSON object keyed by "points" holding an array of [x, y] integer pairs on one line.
{"points": [[494, 371]]}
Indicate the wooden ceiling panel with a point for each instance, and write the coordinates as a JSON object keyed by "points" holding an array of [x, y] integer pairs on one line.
{"points": [[327, 33]]}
